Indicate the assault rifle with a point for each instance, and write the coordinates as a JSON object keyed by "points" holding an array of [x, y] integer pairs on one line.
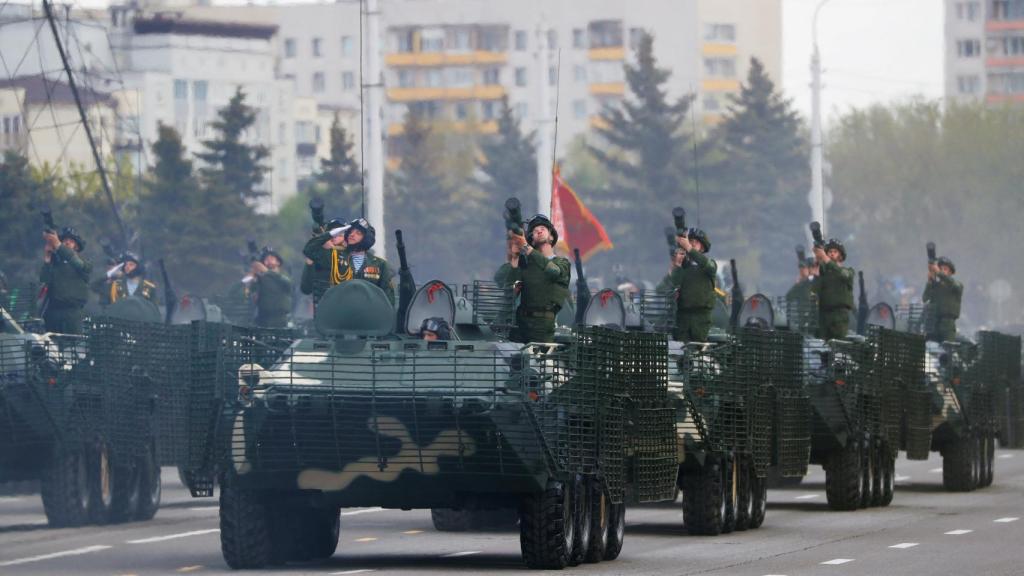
{"points": [[406, 283], [582, 291]]}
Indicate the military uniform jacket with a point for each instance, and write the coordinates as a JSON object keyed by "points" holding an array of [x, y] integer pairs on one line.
{"points": [[273, 294], [336, 265], [695, 282], [545, 282], [802, 291], [506, 276], [66, 277], [119, 290], [943, 295], [835, 287]]}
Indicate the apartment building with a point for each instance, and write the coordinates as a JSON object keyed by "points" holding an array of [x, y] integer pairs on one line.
{"points": [[985, 50]]}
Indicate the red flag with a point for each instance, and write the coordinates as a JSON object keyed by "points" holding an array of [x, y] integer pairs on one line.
{"points": [[577, 226]]}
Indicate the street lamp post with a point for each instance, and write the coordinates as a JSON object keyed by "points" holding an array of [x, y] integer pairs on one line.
{"points": [[817, 199]]}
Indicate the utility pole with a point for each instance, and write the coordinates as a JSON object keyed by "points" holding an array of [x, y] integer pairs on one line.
{"points": [[374, 129], [545, 147], [817, 198]]}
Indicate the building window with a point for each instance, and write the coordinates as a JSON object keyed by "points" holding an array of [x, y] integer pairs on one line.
{"points": [[1010, 83], [347, 46], [289, 47], [492, 39], [317, 46], [521, 109], [579, 38], [712, 103], [490, 110], [552, 40], [460, 40], [579, 74], [319, 85], [435, 79], [521, 40], [1007, 10], [1013, 45], [181, 90], [348, 81], [968, 84], [968, 48], [635, 34], [579, 109], [492, 76], [403, 40], [460, 77], [714, 32], [432, 40], [720, 67], [406, 78], [521, 77], [461, 111], [605, 34], [968, 11]]}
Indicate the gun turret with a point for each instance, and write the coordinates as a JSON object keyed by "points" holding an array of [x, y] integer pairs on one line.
{"points": [[582, 291], [819, 240]]}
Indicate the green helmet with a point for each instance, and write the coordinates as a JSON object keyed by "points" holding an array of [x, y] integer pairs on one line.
{"points": [[698, 234], [943, 261], [542, 220], [838, 245]]}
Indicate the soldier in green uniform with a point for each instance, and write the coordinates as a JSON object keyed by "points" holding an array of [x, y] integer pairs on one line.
{"points": [[272, 292], [508, 273], [545, 282], [315, 280], [834, 289], [343, 253], [126, 279], [666, 286], [943, 295], [65, 275], [694, 280]]}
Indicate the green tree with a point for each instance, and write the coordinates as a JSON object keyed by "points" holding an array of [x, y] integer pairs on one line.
{"points": [[644, 139], [229, 162], [509, 160], [759, 185], [340, 176], [21, 195]]}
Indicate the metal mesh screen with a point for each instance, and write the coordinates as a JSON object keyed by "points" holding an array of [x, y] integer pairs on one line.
{"points": [[658, 310], [493, 305], [801, 314], [899, 372], [20, 302]]}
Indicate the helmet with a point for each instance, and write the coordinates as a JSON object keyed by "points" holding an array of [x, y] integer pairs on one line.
{"points": [[268, 251], [943, 261], [369, 234], [127, 256], [698, 234], [438, 326], [836, 244], [542, 220], [69, 232]]}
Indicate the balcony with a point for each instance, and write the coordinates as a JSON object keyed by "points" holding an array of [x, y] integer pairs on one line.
{"points": [[492, 92], [720, 85], [1004, 98], [437, 59], [1004, 25], [486, 127], [1005, 62], [608, 89], [597, 122], [718, 49], [610, 53]]}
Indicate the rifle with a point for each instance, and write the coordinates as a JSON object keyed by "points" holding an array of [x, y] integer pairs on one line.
{"points": [[862, 305], [406, 283], [582, 291], [514, 223], [169, 296], [931, 252], [737, 295], [316, 209], [819, 240]]}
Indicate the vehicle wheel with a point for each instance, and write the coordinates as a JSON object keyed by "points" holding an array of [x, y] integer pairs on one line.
{"points": [[64, 488], [867, 472], [318, 533], [989, 472], [704, 500], [976, 461], [150, 488], [878, 455], [759, 500], [245, 529], [101, 484], [126, 493], [888, 469], [957, 466], [451, 520], [583, 514], [844, 478], [744, 500], [730, 486], [546, 527], [616, 530], [600, 516]]}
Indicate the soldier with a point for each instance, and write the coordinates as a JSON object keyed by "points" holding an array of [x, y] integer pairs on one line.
{"points": [[545, 282], [666, 286], [272, 293], [694, 280], [342, 253], [126, 279], [435, 329], [508, 273], [834, 289], [65, 276], [943, 295], [800, 286]]}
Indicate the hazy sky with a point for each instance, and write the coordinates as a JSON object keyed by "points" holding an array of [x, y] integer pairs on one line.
{"points": [[871, 51]]}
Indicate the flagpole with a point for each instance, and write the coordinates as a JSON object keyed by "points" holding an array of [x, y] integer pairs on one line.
{"points": [[558, 101], [544, 175]]}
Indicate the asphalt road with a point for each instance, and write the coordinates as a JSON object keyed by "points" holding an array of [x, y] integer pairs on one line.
{"points": [[925, 532]]}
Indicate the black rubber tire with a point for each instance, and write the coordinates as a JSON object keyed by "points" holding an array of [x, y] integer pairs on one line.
{"points": [[878, 455], [64, 487], [888, 479], [600, 515], [546, 527], [730, 485], [583, 516], [759, 500], [616, 531], [744, 496], [844, 478], [866, 474], [451, 520], [318, 533], [957, 466], [976, 462], [245, 529], [704, 500], [150, 486], [989, 471], [102, 483], [126, 493]]}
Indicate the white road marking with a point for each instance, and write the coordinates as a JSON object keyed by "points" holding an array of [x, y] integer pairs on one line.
{"points": [[903, 545], [461, 554], [205, 509], [366, 539], [1005, 456], [187, 569], [935, 471], [837, 561], [1006, 520], [360, 571], [806, 496], [172, 536], [958, 532], [902, 478], [364, 511], [75, 552], [7, 499], [413, 532]]}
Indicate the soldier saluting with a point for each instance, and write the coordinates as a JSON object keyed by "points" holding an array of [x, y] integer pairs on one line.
{"points": [[544, 281], [126, 279], [835, 287], [65, 279], [342, 253], [943, 295]]}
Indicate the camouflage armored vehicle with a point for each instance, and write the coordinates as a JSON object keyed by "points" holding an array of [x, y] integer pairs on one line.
{"points": [[367, 415]]}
